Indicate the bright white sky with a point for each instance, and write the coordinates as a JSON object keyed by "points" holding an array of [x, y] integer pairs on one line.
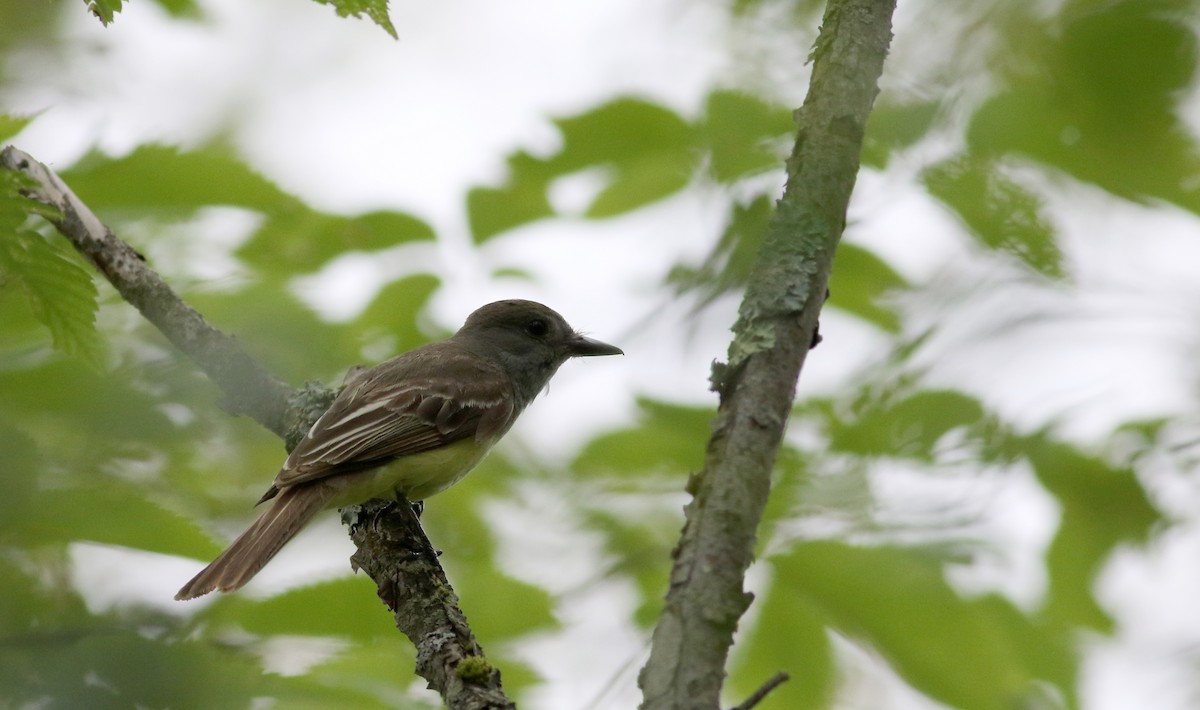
{"points": [[340, 114]]}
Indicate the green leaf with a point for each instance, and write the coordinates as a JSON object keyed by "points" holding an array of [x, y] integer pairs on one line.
{"points": [[60, 292], [32, 606], [647, 152], [1130, 57], [180, 8], [1102, 508], [280, 330], [492, 210], [380, 669], [743, 134], [12, 125], [375, 10], [667, 441], [111, 667], [651, 150], [297, 241], [111, 511], [349, 609], [1102, 103], [908, 425], [75, 413], [893, 127], [104, 10], [999, 212], [395, 309], [637, 546], [21, 457], [978, 654], [172, 182], [860, 282], [729, 265], [499, 606], [790, 636], [622, 132]]}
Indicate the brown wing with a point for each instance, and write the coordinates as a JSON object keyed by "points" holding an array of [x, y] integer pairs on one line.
{"points": [[419, 401]]}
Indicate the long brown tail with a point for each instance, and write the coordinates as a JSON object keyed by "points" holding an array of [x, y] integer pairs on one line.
{"points": [[253, 549]]}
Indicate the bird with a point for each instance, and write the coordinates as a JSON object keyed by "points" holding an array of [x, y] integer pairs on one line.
{"points": [[408, 427]]}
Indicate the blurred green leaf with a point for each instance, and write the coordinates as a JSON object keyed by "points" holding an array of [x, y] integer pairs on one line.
{"points": [[646, 151], [978, 654], [1102, 508], [172, 184], [893, 127], [381, 669], [74, 412], [110, 511], [120, 668], [494, 210], [744, 134], [909, 425], [668, 440], [12, 125], [299, 241], [395, 309], [653, 456], [182, 9], [860, 279], [1100, 102], [1000, 213], [622, 133], [637, 546], [860, 282], [790, 636], [728, 265], [165, 180], [280, 330], [342, 608], [522, 198], [1126, 60], [651, 150], [21, 457], [498, 605]]}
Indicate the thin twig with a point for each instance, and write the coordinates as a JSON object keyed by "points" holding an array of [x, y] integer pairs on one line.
{"points": [[776, 680]]}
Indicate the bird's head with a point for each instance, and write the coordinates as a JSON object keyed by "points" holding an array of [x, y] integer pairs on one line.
{"points": [[527, 336]]}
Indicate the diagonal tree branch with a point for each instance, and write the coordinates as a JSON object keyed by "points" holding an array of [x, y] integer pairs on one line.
{"points": [[248, 387], [392, 547], [775, 326], [393, 551]]}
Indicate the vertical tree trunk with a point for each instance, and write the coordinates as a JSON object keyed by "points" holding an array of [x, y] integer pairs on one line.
{"points": [[776, 324]]}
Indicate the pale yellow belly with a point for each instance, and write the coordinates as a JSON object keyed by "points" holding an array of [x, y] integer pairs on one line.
{"points": [[417, 477]]}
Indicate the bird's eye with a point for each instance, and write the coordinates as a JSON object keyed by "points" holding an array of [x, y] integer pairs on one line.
{"points": [[537, 327]]}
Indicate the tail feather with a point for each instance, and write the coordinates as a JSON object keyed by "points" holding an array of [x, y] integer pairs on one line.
{"points": [[252, 550]]}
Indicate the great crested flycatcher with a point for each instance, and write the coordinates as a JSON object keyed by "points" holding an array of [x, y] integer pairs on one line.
{"points": [[412, 425]]}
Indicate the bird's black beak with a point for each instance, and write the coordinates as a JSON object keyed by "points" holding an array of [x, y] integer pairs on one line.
{"points": [[580, 346]]}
